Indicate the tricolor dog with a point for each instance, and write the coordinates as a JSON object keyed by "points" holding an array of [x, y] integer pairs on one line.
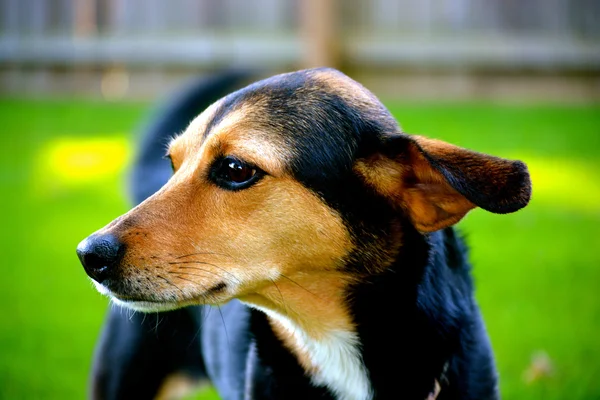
{"points": [[314, 240]]}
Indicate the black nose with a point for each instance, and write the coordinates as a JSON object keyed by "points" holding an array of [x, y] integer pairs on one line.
{"points": [[99, 254]]}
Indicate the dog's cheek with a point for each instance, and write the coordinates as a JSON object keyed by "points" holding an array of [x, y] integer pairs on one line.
{"points": [[206, 236], [289, 230]]}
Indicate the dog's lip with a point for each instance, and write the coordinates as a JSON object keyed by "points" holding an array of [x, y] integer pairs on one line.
{"points": [[160, 305], [135, 299], [147, 306], [129, 299], [124, 298], [154, 304]]}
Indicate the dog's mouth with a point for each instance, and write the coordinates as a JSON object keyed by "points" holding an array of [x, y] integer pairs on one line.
{"points": [[139, 302], [145, 305]]}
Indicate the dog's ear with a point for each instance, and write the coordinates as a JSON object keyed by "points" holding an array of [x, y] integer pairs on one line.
{"points": [[437, 183]]}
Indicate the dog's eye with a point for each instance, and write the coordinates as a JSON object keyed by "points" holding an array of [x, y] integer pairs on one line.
{"points": [[234, 174], [238, 172]]}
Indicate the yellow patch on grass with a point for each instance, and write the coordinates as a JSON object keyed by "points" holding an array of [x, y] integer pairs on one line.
{"points": [[67, 162], [564, 182]]}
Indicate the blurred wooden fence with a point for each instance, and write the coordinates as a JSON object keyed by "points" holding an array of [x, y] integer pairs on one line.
{"points": [[428, 48], [203, 33]]}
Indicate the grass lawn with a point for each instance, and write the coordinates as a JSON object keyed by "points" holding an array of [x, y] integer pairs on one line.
{"points": [[537, 271]]}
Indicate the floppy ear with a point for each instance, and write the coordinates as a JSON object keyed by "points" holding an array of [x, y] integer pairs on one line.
{"points": [[437, 183]]}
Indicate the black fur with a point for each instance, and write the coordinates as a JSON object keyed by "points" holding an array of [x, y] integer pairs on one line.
{"points": [[417, 321], [136, 352], [421, 317]]}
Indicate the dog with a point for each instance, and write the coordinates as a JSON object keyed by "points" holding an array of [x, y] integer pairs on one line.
{"points": [[303, 248]]}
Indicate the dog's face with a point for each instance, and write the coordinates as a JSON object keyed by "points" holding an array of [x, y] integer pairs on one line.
{"points": [[303, 177]]}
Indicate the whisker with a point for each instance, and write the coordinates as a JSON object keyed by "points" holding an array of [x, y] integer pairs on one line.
{"points": [[203, 253], [202, 270], [281, 295], [299, 285], [188, 273], [204, 297], [183, 296], [195, 336], [131, 315], [158, 321], [188, 262], [208, 309], [184, 279], [225, 328], [205, 263], [236, 280]]}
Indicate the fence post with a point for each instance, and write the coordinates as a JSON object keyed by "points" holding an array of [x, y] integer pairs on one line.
{"points": [[84, 24], [319, 30]]}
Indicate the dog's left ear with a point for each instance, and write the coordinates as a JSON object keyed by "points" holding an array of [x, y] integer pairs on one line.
{"points": [[437, 183]]}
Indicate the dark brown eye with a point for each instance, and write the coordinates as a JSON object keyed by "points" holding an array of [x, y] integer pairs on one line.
{"points": [[237, 171], [234, 174]]}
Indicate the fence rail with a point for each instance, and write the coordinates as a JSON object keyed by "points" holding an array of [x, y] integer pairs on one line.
{"points": [[542, 34]]}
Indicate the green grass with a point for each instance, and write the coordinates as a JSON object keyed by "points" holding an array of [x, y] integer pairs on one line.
{"points": [[537, 271]]}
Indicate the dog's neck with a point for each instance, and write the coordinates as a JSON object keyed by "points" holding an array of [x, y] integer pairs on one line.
{"points": [[311, 317], [344, 333]]}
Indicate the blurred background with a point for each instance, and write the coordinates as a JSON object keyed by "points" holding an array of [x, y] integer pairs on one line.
{"points": [[411, 48], [518, 79]]}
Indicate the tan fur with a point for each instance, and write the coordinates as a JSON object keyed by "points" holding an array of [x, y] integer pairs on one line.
{"points": [[415, 185], [319, 292], [432, 203], [275, 245], [192, 235], [353, 92], [384, 174], [248, 143], [312, 300], [183, 147]]}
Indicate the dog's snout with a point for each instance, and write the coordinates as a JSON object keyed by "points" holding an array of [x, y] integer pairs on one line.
{"points": [[99, 255]]}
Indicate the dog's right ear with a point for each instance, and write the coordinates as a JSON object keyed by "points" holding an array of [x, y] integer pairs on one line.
{"points": [[437, 183]]}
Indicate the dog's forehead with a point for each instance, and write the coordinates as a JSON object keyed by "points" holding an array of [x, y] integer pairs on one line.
{"points": [[318, 114], [190, 140], [291, 96], [237, 134]]}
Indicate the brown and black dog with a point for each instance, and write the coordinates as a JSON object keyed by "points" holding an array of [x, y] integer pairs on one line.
{"points": [[324, 234]]}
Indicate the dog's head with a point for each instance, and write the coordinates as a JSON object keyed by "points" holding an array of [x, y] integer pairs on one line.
{"points": [[301, 177]]}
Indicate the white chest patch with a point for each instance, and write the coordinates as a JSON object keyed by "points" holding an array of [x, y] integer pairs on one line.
{"points": [[336, 360]]}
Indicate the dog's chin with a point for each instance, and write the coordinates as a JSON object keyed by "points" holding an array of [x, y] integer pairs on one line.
{"points": [[137, 305], [145, 306]]}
